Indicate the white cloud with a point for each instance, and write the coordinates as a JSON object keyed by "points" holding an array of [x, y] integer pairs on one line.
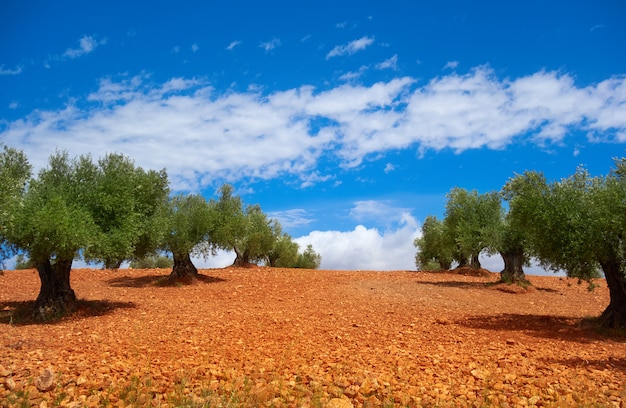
{"points": [[233, 44], [389, 168], [380, 211], [351, 48], [10, 71], [86, 45], [195, 48], [366, 248], [293, 218], [451, 65], [270, 45], [14, 105], [184, 125], [391, 63]]}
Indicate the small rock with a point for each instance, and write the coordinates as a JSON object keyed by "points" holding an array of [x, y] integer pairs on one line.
{"points": [[479, 374], [339, 403], [9, 384], [45, 382], [5, 372]]}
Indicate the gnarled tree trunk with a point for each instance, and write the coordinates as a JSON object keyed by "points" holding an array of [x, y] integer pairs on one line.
{"points": [[183, 267], [513, 271], [475, 262], [56, 297], [242, 259], [614, 316]]}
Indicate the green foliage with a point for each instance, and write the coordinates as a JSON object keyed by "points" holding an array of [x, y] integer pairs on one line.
{"points": [[23, 262], [126, 204], [561, 219], [229, 219], [189, 221], [152, 261], [247, 231], [284, 253], [52, 221], [436, 245], [309, 259], [472, 220]]}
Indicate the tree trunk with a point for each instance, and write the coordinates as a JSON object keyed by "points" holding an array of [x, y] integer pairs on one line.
{"points": [[56, 296], [513, 271], [183, 267], [111, 264], [242, 259], [614, 316], [475, 262]]}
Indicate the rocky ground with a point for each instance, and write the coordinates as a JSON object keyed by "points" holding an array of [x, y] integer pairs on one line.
{"points": [[285, 337]]}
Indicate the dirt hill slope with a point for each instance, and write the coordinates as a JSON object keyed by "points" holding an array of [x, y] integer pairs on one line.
{"points": [[285, 337]]}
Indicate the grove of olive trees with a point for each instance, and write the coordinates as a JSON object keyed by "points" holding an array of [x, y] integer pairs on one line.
{"points": [[576, 225], [110, 211]]}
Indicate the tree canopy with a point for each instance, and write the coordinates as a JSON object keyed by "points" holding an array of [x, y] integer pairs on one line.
{"points": [[578, 225], [189, 220], [75, 208], [471, 219]]}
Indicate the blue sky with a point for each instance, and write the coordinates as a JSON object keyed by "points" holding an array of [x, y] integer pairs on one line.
{"points": [[348, 121]]}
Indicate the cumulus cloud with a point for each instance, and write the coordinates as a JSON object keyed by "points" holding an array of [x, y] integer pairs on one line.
{"points": [[351, 48], [366, 248], [198, 134]]}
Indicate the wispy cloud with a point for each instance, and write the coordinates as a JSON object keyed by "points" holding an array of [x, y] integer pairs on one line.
{"points": [[10, 71], [286, 132], [391, 63], [293, 218], [86, 45], [270, 45], [195, 48], [351, 48], [233, 44], [451, 65], [596, 27]]}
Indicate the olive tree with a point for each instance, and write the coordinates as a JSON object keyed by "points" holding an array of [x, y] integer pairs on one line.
{"points": [[14, 174], [471, 219], [127, 205], [69, 211], [577, 224], [188, 226], [284, 252], [435, 245], [245, 230], [309, 259]]}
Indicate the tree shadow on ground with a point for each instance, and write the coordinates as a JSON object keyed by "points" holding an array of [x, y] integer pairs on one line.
{"points": [[21, 313], [481, 285], [156, 281], [610, 363], [550, 327]]}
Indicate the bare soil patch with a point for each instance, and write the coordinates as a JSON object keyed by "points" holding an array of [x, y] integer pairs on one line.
{"points": [[287, 337]]}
